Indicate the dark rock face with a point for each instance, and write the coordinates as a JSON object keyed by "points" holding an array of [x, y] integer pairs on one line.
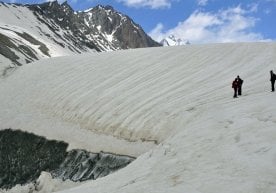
{"points": [[91, 28], [126, 33], [81, 165], [5, 45], [62, 17], [23, 156]]}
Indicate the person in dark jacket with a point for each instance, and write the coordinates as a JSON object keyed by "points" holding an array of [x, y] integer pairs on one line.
{"points": [[235, 86], [272, 79], [240, 81]]}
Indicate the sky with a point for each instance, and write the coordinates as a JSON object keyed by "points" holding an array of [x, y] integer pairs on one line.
{"points": [[198, 21]]}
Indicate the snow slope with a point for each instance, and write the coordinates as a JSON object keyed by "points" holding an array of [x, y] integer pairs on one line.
{"points": [[35, 37], [21, 19], [172, 107], [17, 20]]}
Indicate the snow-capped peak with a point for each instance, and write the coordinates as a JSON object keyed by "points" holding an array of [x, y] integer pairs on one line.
{"points": [[52, 29], [174, 41]]}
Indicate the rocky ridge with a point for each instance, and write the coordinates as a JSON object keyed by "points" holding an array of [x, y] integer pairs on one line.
{"points": [[51, 29]]}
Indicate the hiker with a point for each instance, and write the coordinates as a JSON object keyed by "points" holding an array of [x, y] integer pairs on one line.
{"points": [[272, 79], [235, 86], [240, 81]]}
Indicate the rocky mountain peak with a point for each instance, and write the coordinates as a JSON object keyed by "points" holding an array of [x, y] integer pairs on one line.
{"points": [[50, 4], [124, 31], [53, 7], [101, 28], [105, 7], [67, 7]]}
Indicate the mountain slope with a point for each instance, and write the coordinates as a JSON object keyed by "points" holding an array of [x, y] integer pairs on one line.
{"points": [[179, 97], [33, 32]]}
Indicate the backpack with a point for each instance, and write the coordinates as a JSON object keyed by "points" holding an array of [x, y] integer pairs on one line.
{"points": [[241, 81]]}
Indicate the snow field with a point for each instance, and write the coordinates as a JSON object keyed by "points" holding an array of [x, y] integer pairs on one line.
{"points": [[178, 97], [44, 184], [21, 19]]}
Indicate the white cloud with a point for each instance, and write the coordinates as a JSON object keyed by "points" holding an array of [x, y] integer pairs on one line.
{"points": [[157, 32], [253, 7], [154, 4], [202, 2], [273, 1], [229, 25]]}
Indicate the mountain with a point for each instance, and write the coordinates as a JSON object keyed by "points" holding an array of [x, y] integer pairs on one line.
{"points": [[33, 32], [179, 97], [173, 41]]}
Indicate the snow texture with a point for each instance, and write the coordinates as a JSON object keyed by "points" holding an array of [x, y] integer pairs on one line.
{"points": [[172, 107], [44, 184]]}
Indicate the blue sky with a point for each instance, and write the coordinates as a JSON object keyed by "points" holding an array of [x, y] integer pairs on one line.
{"points": [[199, 21]]}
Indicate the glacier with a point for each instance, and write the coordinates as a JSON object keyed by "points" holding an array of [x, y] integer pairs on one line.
{"points": [[171, 107]]}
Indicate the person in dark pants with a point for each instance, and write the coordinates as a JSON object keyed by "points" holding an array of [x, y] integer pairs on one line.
{"points": [[235, 86], [272, 79], [240, 81]]}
